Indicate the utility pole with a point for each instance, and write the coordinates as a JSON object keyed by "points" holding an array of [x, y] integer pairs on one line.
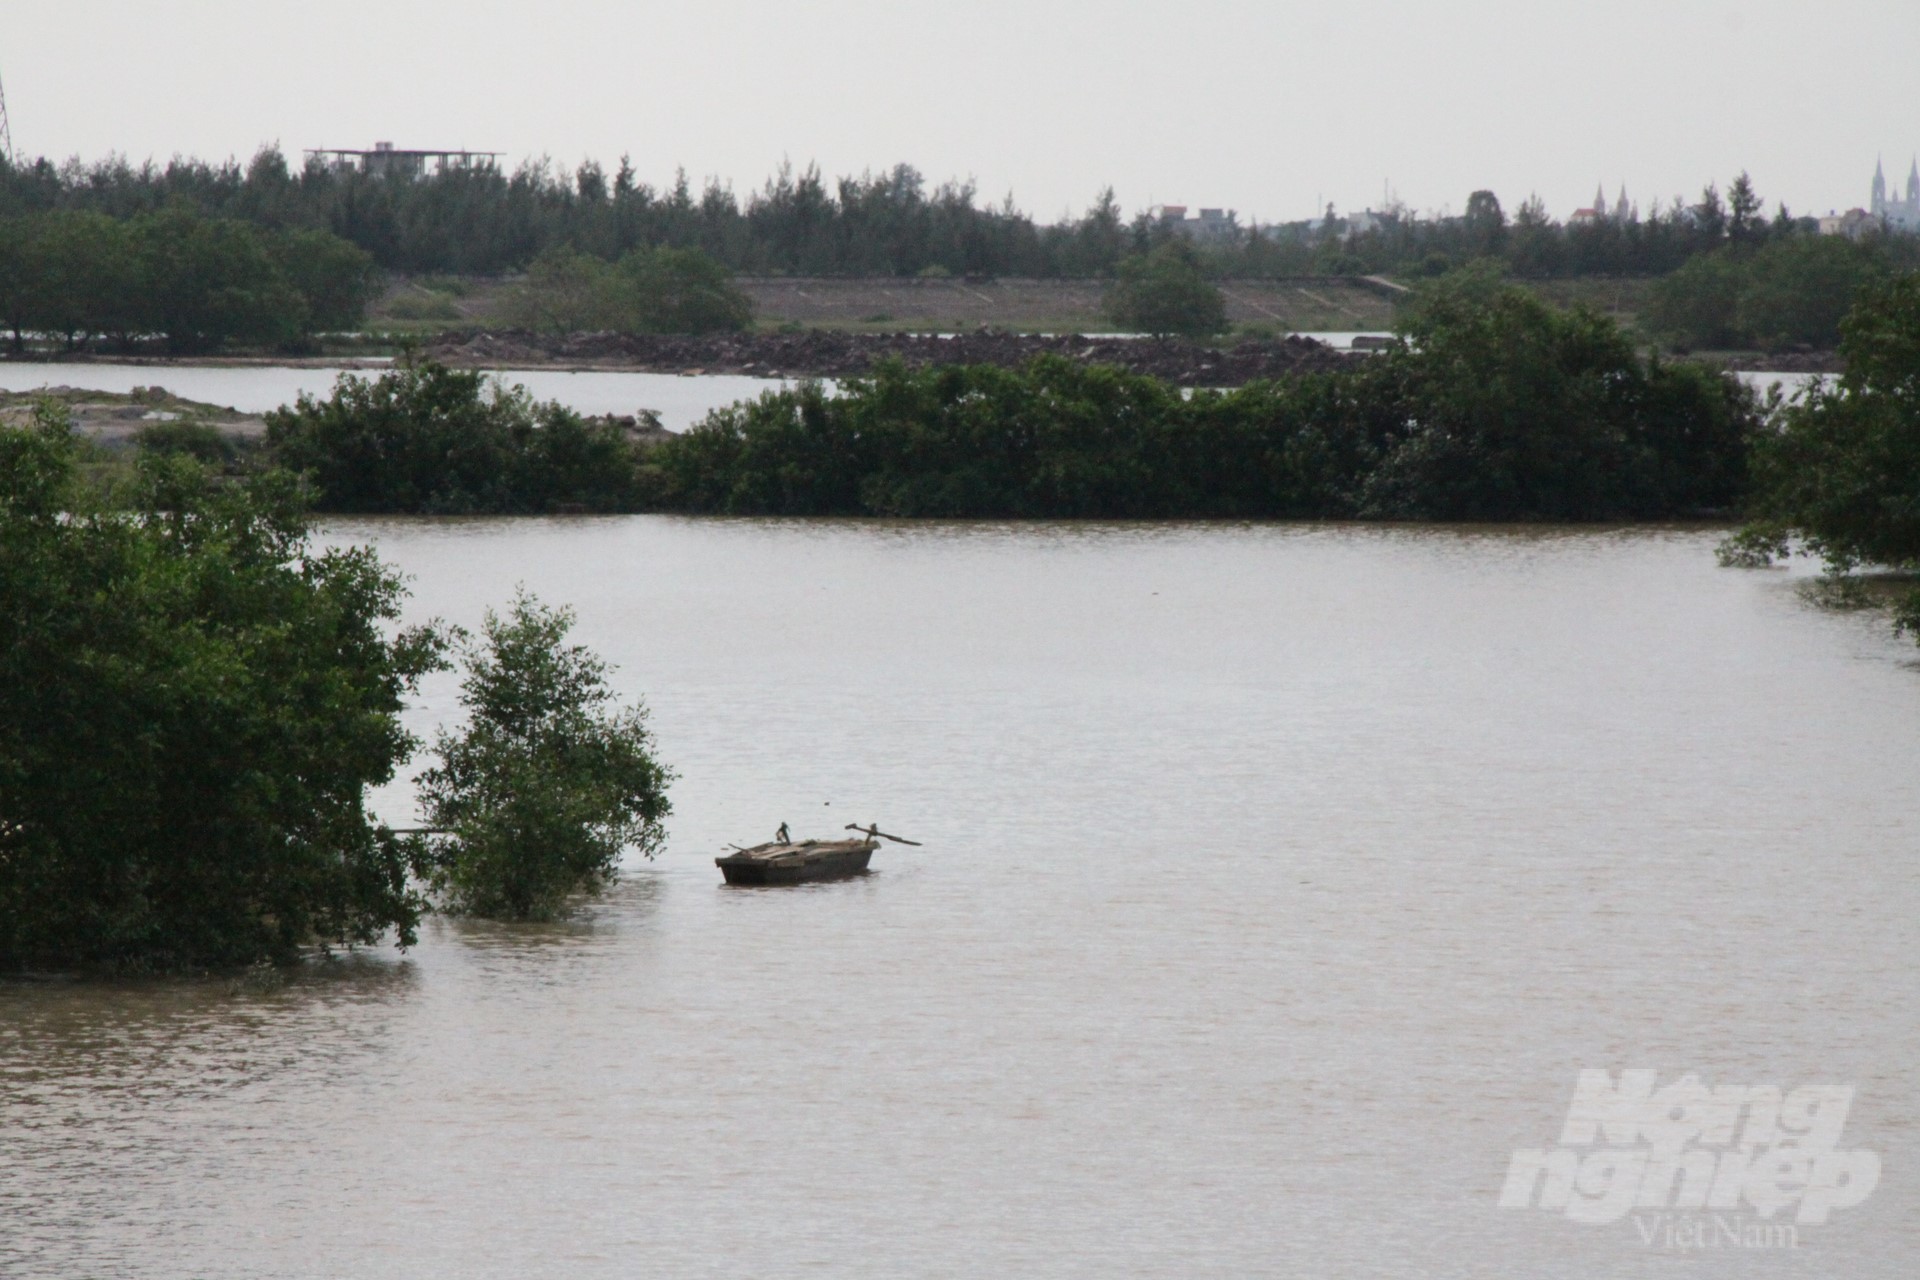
{"points": [[6, 134]]}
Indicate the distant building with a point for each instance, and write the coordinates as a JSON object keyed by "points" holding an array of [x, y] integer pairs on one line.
{"points": [[1211, 224], [1901, 215], [1852, 224], [1622, 211], [385, 161]]}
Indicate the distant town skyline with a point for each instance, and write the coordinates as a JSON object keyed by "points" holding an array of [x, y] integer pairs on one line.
{"points": [[1273, 110]]}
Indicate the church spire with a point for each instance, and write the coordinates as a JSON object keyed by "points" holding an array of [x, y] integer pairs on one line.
{"points": [[1879, 185], [1913, 182]]}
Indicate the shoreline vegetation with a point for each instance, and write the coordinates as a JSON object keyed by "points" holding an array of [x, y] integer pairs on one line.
{"points": [[1838, 474], [486, 220], [1490, 406], [195, 700]]}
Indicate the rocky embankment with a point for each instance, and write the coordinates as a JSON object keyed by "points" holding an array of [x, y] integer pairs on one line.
{"points": [[828, 354], [115, 419], [1779, 362]]}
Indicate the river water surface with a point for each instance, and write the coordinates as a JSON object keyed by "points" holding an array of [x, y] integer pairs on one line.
{"points": [[1277, 882], [1275, 885]]}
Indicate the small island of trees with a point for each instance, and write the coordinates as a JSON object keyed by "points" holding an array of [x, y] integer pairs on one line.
{"points": [[1491, 406], [194, 700]]}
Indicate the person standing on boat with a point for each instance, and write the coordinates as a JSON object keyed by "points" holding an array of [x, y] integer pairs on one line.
{"points": [[782, 836]]}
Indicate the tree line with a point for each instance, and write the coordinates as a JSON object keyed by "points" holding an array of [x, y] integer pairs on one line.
{"points": [[1492, 406], [198, 281], [1534, 245], [486, 220], [1774, 294]]}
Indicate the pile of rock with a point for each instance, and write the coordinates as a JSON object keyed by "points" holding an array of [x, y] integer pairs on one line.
{"points": [[832, 354]]}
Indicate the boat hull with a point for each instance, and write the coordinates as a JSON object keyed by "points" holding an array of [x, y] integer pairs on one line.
{"points": [[802, 868]]}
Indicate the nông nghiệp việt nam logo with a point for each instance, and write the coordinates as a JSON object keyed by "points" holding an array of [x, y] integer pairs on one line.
{"points": [[1697, 1167]]}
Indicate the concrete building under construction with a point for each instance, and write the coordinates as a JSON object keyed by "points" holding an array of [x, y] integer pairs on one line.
{"points": [[388, 161]]}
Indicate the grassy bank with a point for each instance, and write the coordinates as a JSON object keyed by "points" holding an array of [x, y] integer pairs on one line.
{"points": [[432, 304]]}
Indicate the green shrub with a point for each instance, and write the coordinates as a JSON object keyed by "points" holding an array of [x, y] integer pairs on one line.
{"points": [[415, 307], [1792, 292], [563, 292], [1699, 305], [428, 439], [547, 785], [1511, 409], [1841, 475], [1494, 407], [1799, 289], [200, 441], [1166, 293], [679, 291]]}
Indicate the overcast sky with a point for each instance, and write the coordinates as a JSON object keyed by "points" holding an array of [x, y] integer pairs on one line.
{"points": [[1266, 108]]}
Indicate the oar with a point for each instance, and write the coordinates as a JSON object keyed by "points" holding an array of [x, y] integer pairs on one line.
{"points": [[871, 832]]}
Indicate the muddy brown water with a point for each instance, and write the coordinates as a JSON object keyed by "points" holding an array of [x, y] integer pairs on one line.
{"points": [[1278, 881]]}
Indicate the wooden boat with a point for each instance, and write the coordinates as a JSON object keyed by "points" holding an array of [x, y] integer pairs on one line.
{"points": [[777, 863], [799, 861]]}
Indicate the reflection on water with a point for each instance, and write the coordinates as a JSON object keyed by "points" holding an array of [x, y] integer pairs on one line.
{"points": [[1277, 882]]}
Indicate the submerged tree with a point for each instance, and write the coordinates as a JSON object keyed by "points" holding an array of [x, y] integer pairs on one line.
{"points": [[1841, 476], [1508, 409], [548, 785], [194, 700], [1495, 407], [428, 439]]}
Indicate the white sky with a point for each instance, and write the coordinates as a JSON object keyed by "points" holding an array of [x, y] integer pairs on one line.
{"points": [[1262, 107]]}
